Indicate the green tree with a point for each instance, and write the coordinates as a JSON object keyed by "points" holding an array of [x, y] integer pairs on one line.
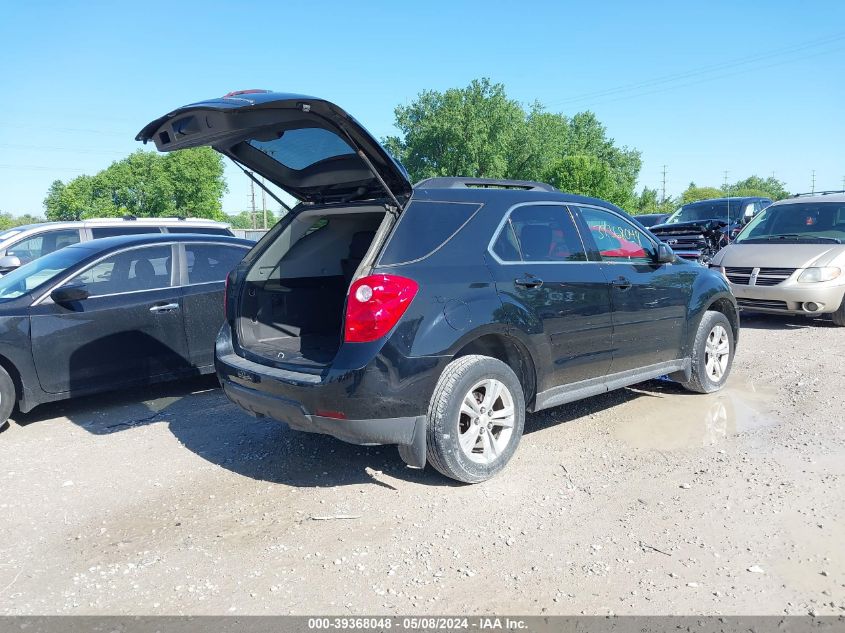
{"points": [[243, 220], [769, 187], [478, 131], [648, 201], [693, 193], [9, 221], [187, 183]]}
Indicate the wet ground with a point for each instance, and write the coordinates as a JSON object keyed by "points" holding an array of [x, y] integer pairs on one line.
{"points": [[646, 500]]}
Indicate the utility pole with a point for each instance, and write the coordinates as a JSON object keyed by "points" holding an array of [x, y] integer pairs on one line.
{"points": [[725, 181], [843, 183], [813, 189], [663, 193], [252, 197], [264, 202]]}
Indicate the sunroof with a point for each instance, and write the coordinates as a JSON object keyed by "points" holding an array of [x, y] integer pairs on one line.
{"points": [[301, 148]]}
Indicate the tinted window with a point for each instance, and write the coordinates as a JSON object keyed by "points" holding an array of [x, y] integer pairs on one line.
{"points": [[34, 247], [211, 262], [137, 269], [616, 238], [111, 231], [302, 148], [541, 234], [198, 230], [423, 227]]}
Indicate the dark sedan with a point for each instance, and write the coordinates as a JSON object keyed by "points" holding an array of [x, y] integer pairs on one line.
{"points": [[111, 313]]}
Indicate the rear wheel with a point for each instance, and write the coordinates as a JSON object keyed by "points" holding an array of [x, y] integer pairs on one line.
{"points": [[712, 354], [839, 316], [475, 419], [7, 397]]}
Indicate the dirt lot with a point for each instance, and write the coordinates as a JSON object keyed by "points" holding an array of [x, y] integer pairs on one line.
{"points": [[647, 500]]}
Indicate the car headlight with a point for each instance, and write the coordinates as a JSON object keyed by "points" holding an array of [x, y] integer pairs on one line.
{"points": [[824, 273]]}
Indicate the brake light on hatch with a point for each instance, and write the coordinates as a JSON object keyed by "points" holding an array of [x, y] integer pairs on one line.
{"points": [[375, 305]]}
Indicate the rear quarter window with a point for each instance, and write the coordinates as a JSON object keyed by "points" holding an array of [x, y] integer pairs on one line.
{"points": [[423, 228]]}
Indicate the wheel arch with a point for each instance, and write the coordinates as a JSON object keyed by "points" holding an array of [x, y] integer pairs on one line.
{"points": [[15, 375], [728, 308], [511, 352]]}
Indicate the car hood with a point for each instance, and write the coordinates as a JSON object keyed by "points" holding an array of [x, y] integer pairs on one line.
{"points": [[309, 147], [779, 255]]}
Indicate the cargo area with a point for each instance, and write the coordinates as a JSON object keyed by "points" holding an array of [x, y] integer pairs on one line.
{"points": [[292, 304]]}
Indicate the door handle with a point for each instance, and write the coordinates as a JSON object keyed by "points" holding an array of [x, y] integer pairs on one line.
{"points": [[621, 283], [164, 307], [529, 282]]}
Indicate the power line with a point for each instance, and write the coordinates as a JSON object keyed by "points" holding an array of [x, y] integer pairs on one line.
{"points": [[703, 70]]}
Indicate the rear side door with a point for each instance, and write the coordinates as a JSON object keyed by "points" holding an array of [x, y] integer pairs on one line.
{"points": [[553, 293], [128, 330], [649, 300], [205, 267]]}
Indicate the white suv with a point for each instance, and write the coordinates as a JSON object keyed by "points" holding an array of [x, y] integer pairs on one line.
{"points": [[26, 243]]}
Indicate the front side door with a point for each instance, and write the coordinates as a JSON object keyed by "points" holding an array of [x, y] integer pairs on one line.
{"points": [[553, 293], [649, 299], [128, 330], [205, 268]]}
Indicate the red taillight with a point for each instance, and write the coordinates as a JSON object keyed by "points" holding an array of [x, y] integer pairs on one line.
{"points": [[375, 305]]}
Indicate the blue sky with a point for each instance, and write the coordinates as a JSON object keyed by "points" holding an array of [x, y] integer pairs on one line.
{"points": [[747, 87]]}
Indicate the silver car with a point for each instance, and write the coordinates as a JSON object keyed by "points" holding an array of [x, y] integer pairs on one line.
{"points": [[790, 259]]}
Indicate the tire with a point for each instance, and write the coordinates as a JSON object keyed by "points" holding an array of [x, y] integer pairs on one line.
{"points": [[839, 316], [458, 411], [8, 397], [710, 371]]}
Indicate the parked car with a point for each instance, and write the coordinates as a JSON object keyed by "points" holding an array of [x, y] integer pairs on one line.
{"points": [[650, 219], [790, 258], [433, 317], [26, 243], [111, 313], [698, 230]]}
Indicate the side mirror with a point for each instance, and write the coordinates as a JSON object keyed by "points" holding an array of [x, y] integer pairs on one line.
{"points": [[8, 263], [69, 294], [665, 255]]}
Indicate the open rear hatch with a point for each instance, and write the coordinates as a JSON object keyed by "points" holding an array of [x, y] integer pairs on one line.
{"points": [[291, 302], [308, 147]]}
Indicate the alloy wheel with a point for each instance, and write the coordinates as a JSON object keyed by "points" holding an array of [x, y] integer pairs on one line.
{"points": [[486, 420]]}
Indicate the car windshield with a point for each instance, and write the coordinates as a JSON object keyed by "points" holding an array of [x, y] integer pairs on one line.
{"points": [[724, 210], [800, 222], [34, 274]]}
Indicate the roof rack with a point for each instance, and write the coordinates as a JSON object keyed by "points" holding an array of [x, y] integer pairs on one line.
{"points": [[482, 183], [817, 193]]}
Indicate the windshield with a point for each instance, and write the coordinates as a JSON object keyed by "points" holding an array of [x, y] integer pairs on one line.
{"points": [[807, 221], [34, 274], [724, 210]]}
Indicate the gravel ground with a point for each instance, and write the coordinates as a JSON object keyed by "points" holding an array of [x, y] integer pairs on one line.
{"points": [[644, 501]]}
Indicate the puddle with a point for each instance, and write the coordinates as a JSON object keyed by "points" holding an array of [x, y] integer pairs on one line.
{"points": [[664, 417]]}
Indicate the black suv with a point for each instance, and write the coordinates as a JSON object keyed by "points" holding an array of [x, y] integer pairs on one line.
{"points": [[435, 316], [699, 230]]}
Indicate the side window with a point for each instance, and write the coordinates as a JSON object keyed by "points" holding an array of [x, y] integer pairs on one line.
{"points": [[211, 262], [617, 239], [540, 233], [111, 231], [28, 249], [146, 268]]}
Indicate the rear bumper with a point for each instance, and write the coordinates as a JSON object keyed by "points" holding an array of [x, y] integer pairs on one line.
{"points": [[375, 431], [376, 397]]}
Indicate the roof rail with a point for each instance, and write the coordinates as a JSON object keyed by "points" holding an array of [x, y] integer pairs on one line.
{"points": [[817, 193], [482, 183]]}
